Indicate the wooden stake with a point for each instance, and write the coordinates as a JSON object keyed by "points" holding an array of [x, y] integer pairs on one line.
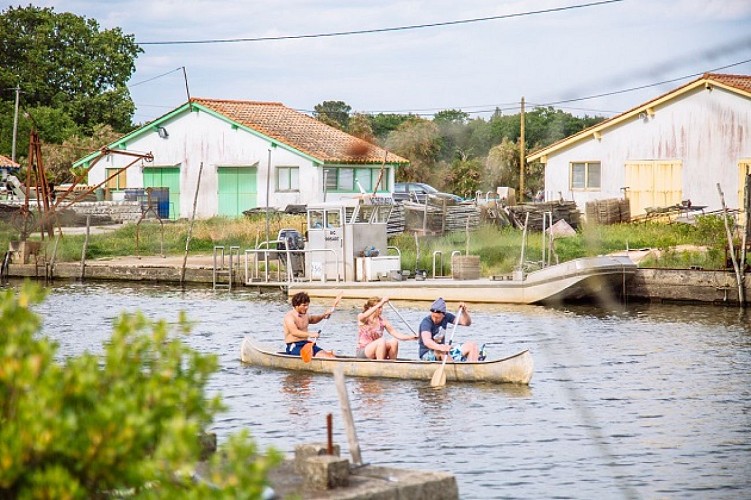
{"points": [[190, 228], [349, 421]]}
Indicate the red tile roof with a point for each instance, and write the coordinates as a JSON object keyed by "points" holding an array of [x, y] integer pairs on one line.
{"points": [[7, 162], [740, 82], [302, 132]]}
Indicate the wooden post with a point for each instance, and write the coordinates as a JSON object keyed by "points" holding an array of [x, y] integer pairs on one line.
{"points": [[738, 277], [85, 246], [349, 421], [190, 227]]}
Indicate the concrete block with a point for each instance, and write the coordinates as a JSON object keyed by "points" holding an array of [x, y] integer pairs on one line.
{"points": [[325, 472], [305, 451]]}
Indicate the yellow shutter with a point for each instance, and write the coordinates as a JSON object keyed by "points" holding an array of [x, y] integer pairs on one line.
{"points": [[653, 184]]}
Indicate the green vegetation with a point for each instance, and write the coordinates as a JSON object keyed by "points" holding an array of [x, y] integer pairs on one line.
{"points": [[680, 245], [126, 423]]}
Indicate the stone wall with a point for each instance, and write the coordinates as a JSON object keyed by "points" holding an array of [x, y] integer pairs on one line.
{"points": [[118, 211]]}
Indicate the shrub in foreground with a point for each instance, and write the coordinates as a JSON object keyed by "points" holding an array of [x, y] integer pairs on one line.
{"points": [[125, 423]]}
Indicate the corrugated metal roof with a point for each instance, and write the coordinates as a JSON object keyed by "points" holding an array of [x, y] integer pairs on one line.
{"points": [[300, 131], [737, 83]]}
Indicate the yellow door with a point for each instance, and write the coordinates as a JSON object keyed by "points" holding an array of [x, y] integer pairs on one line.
{"points": [[653, 184]]}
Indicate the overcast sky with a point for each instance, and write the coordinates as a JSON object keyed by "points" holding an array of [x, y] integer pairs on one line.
{"points": [[473, 66]]}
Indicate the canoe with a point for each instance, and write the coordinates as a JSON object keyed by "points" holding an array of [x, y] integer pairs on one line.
{"points": [[515, 369]]}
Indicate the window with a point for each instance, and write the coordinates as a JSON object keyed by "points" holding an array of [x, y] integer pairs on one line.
{"points": [[343, 179], [585, 175], [287, 178], [118, 181]]}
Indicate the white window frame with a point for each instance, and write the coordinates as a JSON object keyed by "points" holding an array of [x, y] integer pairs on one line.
{"points": [[288, 179], [587, 183]]}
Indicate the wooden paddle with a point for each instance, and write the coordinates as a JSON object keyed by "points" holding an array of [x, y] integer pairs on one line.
{"points": [[439, 377], [306, 353]]}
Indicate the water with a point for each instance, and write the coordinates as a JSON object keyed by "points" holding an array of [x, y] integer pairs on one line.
{"points": [[651, 401]]}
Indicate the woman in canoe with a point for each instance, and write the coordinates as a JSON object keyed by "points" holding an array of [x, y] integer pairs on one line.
{"points": [[370, 341]]}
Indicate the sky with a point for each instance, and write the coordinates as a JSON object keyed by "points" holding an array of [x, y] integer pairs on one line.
{"points": [[551, 52]]}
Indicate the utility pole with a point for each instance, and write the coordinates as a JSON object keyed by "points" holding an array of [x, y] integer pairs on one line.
{"points": [[522, 154], [15, 126]]}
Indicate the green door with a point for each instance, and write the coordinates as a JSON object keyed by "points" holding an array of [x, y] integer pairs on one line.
{"points": [[165, 177], [237, 190]]}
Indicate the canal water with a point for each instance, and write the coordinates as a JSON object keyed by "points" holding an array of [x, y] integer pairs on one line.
{"points": [[644, 401]]}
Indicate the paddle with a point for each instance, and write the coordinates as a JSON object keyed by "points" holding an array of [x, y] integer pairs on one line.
{"points": [[306, 353], [402, 317], [439, 377]]}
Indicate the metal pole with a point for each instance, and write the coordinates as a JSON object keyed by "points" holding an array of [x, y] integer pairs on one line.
{"points": [[185, 77], [15, 125], [268, 185]]}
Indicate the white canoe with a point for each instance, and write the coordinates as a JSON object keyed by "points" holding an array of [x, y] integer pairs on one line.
{"points": [[516, 369]]}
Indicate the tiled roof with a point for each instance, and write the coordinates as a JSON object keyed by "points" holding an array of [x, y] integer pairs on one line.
{"points": [[7, 162], [300, 131], [740, 82]]}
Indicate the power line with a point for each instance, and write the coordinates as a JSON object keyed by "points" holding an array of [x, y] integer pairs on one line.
{"points": [[382, 30]]}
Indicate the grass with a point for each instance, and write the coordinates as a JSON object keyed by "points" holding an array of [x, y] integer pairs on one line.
{"points": [[499, 248]]}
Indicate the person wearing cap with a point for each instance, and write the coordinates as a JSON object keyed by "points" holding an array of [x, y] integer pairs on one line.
{"points": [[433, 346]]}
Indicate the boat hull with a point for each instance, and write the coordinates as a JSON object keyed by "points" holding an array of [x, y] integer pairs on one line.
{"points": [[591, 278], [516, 369]]}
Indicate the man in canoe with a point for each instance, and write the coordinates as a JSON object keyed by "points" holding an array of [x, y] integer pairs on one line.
{"points": [[433, 346], [296, 323]]}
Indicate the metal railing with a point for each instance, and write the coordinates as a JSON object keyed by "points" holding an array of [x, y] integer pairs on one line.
{"points": [[285, 272]]}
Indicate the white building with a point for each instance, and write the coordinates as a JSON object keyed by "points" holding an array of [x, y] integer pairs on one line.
{"points": [[676, 147], [254, 154]]}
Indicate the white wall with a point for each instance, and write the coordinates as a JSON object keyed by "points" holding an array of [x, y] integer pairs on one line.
{"points": [[196, 137], [709, 131]]}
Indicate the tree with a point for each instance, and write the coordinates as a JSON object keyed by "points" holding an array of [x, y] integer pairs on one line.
{"points": [[418, 140], [65, 62], [359, 126], [334, 113], [385, 123], [125, 423], [59, 158]]}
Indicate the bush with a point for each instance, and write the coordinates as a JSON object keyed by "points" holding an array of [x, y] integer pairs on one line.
{"points": [[125, 423]]}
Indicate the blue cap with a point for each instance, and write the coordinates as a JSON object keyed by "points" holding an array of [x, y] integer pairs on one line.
{"points": [[438, 306]]}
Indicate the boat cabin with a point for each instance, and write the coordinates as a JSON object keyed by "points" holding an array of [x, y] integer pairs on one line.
{"points": [[347, 240]]}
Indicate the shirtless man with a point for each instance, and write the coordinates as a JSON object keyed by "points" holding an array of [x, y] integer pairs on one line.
{"points": [[296, 323]]}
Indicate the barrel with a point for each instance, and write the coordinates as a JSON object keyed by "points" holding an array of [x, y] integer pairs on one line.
{"points": [[465, 267]]}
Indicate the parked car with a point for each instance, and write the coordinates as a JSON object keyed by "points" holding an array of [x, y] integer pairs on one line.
{"points": [[418, 191]]}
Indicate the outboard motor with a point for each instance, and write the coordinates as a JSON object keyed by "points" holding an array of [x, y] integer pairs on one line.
{"points": [[292, 239]]}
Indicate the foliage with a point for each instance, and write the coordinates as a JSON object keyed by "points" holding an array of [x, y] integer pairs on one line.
{"points": [[333, 113], [417, 140], [66, 62], [464, 177], [59, 158], [359, 126], [127, 422]]}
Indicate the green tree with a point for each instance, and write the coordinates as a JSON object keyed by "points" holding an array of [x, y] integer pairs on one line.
{"points": [[418, 140], [334, 113], [383, 124], [464, 177], [66, 62], [359, 126], [124, 423]]}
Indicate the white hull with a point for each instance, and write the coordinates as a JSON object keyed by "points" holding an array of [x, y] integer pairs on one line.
{"points": [[588, 278]]}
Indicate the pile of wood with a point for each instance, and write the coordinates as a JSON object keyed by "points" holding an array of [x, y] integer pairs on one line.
{"points": [[609, 211], [561, 210], [440, 216]]}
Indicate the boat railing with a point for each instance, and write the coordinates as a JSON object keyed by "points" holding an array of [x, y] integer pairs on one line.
{"points": [[286, 269]]}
